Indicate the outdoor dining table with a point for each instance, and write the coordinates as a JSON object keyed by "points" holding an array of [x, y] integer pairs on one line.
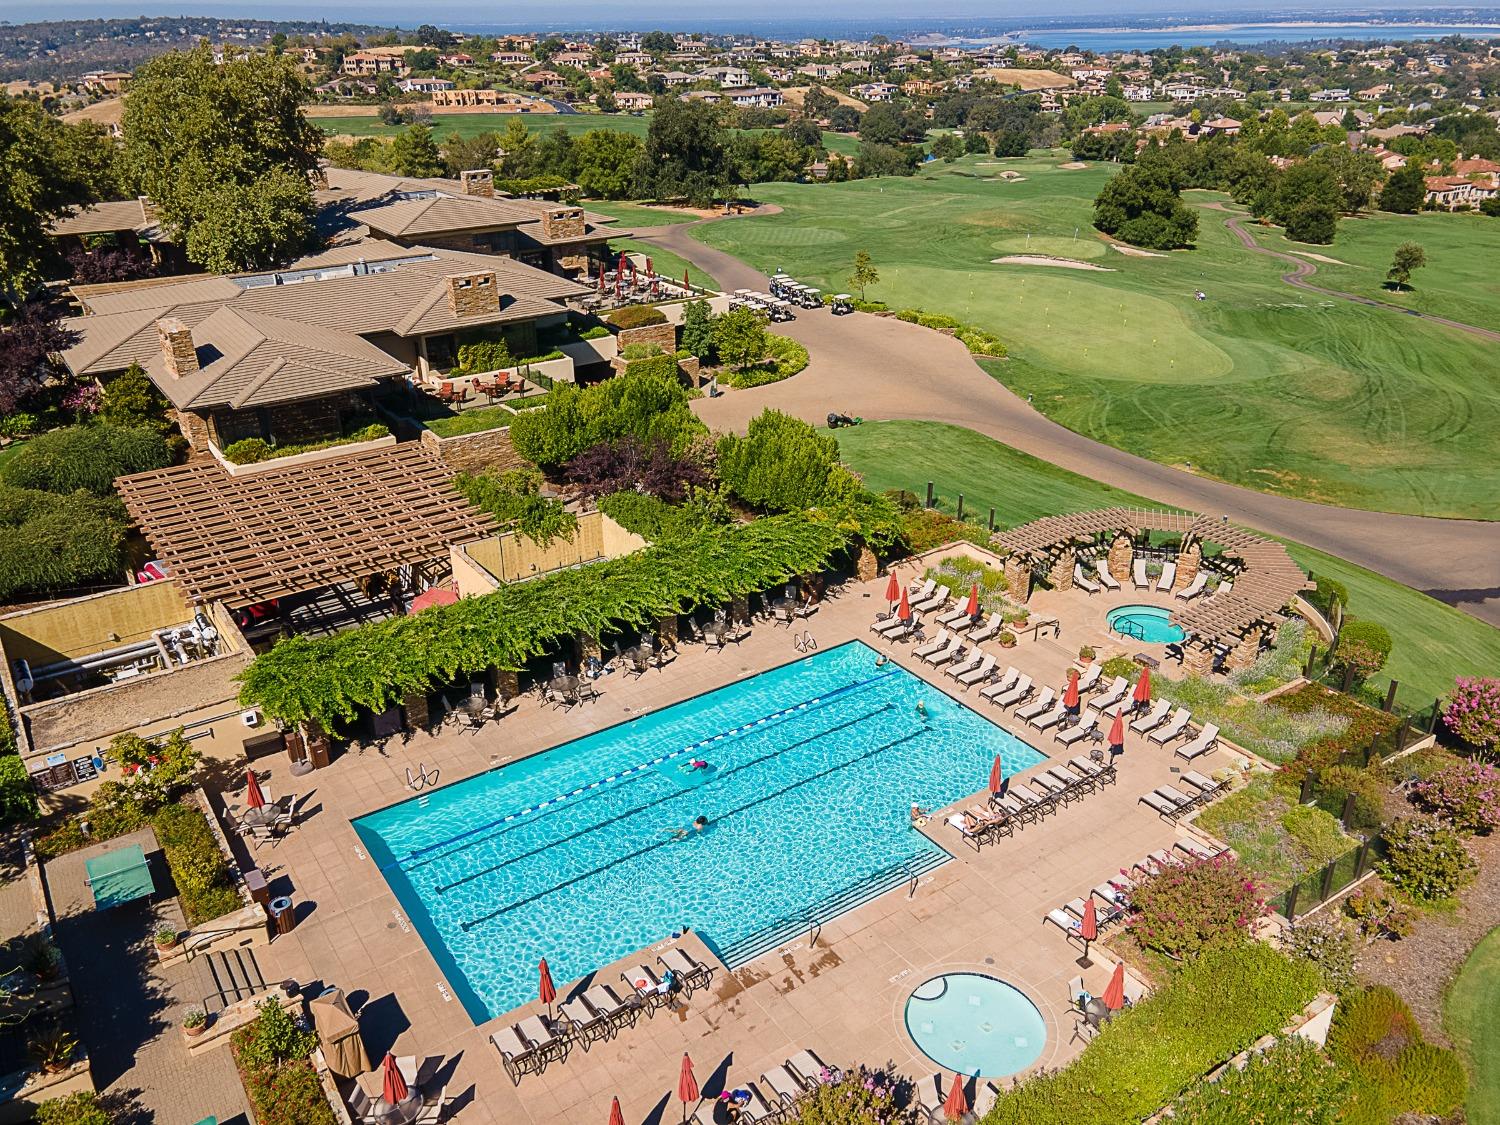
{"points": [[262, 817]]}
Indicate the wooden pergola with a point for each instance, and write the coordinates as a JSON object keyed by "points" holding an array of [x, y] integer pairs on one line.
{"points": [[269, 533]]}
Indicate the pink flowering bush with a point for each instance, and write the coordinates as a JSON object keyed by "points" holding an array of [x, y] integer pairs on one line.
{"points": [[1195, 906], [1473, 712], [1467, 796], [83, 400], [853, 1097]]}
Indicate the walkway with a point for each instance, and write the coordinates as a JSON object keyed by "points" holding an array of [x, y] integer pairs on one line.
{"points": [[882, 368]]}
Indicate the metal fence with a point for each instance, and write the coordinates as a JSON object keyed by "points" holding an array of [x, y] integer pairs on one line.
{"points": [[1317, 887]]}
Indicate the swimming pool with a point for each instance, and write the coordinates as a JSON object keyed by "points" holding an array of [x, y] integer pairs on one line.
{"points": [[567, 854], [972, 1024], [1149, 623]]}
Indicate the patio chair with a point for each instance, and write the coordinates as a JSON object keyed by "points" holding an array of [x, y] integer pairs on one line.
{"points": [[1040, 806], [550, 1041], [1038, 707], [886, 626], [1207, 739], [1001, 685], [1194, 850], [1205, 785], [992, 626], [433, 1107], [1063, 921], [1111, 896], [811, 1070], [1154, 719], [1017, 693], [647, 988], [976, 837], [620, 1013], [1049, 719], [977, 675], [937, 659], [1168, 576], [1090, 677], [1173, 728], [1082, 581], [929, 1097], [518, 1054], [920, 590], [1054, 789], [583, 1022], [1092, 770], [933, 646], [971, 661], [1079, 783], [935, 600], [1138, 575], [689, 970], [954, 617], [1106, 579], [783, 1083], [1160, 805], [1113, 695], [1183, 802], [1223, 589], [1194, 588]]}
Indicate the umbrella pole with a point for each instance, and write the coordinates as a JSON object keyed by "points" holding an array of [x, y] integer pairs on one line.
{"points": [[1084, 962]]}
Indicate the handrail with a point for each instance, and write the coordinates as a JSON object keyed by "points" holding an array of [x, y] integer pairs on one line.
{"points": [[201, 937]]}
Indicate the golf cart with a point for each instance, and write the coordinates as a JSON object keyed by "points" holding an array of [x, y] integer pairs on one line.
{"points": [[842, 303]]}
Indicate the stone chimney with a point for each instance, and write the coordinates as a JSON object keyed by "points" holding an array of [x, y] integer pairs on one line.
{"points": [[562, 223], [471, 294], [148, 209], [478, 181], [177, 347]]}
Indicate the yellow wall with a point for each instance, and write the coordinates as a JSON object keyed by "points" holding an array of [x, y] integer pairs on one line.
{"points": [[93, 624], [512, 557]]}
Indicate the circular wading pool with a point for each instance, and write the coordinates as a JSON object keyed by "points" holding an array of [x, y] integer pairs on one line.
{"points": [[975, 1024], [1149, 623]]}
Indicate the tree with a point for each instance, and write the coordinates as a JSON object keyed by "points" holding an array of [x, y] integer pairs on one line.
{"points": [[864, 272], [739, 337], [416, 153], [947, 148], [464, 154], [686, 154], [226, 154], [781, 463], [844, 119], [1356, 172], [881, 124], [1141, 206], [131, 399], [697, 331], [518, 152], [1409, 256], [606, 160], [28, 341], [658, 43], [886, 160], [1404, 191], [818, 103], [1312, 221]]}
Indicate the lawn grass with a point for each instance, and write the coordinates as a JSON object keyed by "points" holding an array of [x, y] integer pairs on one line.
{"points": [[1433, 642], [9, 451], [1472, 1017], [635, 215], [1260, 384], [478, 419]]}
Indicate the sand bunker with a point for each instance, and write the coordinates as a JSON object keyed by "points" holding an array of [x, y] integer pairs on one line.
{"points": [[1073, 166], [1039, 260], [1135, 251], [1324, 258]]}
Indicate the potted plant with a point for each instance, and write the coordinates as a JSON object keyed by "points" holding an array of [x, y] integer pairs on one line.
{"points": [[1086, 655], [42, 959], [195, 1022], [1007, 639], [53, 1049], [166, 937]]}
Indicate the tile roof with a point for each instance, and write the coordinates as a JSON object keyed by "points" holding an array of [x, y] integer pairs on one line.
{"points": [[104, 218], [441, 214]]}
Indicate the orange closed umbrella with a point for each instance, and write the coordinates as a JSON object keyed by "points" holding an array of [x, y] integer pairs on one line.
{"points": [[1070, 696], [546, 990], [1142, 693], [615, 1116], [997, 776], [958, 1102], [972, 606], [1117, 731], [1114, 994], [893, 589], [253, 796], [903, 611], [687, 1085], [1088, 929], [392, 1086]]}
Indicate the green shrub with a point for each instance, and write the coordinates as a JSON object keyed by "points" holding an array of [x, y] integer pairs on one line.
{"points": [[1213, 1008], [784, 358], [1425, 859], [1330, 943], [18, 424], [1377, 915], [1195, 906], [1278, 844], [781, 463], [1348, 725], [273, 1058], [1466, 795], [1373, 1022], [82, 1108], [858, 1096], [927, 528], [250, 451], [636, 316], [597, 332], [483, 355], [1336, 783], [198, 867], [658, 366], [640, 351], [1329, 593], [961, 574], [51, 542], [655, 520], [17, 796], [1290, 1081], [1279, 664], [1432, 1079], [87, 457], [131, 399], [1119, 666], [513, 499], [647, 407], [1375, 1035], [1363, 646]]}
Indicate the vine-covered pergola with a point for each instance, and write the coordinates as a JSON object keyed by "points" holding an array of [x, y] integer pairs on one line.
{"points": [[1234, 623]]}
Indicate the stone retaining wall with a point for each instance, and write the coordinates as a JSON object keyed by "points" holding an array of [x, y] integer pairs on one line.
{"points": [[476, 452]]}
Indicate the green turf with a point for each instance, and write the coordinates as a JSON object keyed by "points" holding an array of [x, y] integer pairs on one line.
{"points": [[1472, 1016], [1261, 384], [1433, 642], [634, 215]]}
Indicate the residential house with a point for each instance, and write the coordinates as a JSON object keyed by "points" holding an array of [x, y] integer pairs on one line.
{"points": [[824, 72], [511, 58], [674, 78], [1339, 94], [376, 60], [919, 87], [1450, 193], [110, 82], [761, 97], [1375, 93], [638, 59], [548, 80], [1136, 92], [457, 58], [578, 60], [632, 101], [873, 91], [855, 66], [728, 77], [423, 85]]}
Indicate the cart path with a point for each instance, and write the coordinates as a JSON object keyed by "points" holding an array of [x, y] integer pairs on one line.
{"points": [[1302, 269], [883, 368]]}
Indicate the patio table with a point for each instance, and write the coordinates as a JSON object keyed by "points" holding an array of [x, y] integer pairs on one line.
{"points": [[119, 876], [263, 817]]}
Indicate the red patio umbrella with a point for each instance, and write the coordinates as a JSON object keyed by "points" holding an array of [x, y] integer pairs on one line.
{"points": [[649, 271], [997, 776], [685, 283], [546, 990], [1088, 929], [1117, 729], [253, 796], [602, 282], [393, 1086], [623, 260], [633, 282], [903, 610], [615, 1116], [972, 606], [958, 1102], [1114, 994], [893, 589], [687, 1085], [435, 595], [1070, 697], [1142, 693]]}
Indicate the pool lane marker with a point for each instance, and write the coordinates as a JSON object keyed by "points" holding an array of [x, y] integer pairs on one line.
{"points": [[631, 771]]}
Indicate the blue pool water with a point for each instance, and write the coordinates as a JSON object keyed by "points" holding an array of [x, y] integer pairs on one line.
{"points": [[974, 1024], [1147, 623], [567, 854]]}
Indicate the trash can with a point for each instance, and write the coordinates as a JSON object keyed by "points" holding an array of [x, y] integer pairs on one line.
{"points": [[283, 916]]}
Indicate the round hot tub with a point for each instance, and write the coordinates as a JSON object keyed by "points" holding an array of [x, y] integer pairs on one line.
{"points": [[975, 1024], [1149, 623]]}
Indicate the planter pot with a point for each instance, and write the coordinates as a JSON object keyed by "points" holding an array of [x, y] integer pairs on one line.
{"points": [[194, 1032]]}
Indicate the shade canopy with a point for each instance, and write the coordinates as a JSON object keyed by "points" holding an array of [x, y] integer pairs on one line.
{"points": [[435, 595], [687, 1085], [997, 775], [546, 990], [893, 588], [338, 1034], [1070, 696], [971, 607], [616, 1117], [903, 611], [1117, 730]]}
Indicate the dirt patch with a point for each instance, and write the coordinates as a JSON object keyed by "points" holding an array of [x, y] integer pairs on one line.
{"points": [[110, 111], [1073, 166], [795, 94], [1324, 258], [1135, 251], [1040, 260]]}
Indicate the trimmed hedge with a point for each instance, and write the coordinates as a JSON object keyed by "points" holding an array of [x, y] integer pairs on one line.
{"points": [[784, 358], [1215, 1007], [657, 366], [636, 316], [252, 451], [87, 457], [197, 865]]}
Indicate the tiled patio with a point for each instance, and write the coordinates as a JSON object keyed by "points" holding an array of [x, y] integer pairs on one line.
{"points": [[844, 998]]}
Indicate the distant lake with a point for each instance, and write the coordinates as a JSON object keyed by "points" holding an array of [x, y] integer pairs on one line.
{"points": [[1150, 39]]}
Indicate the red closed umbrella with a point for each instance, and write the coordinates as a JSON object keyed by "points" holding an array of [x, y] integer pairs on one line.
{"points": [[958, 1102], [602, 282], [253, 796], [893, 589], [546, 990], [997, 776], [903, 610], [972, 606], [1070, 696], [615, 1116], [685, 283], [1117, 729], [623, 260], [1114, 994], [1088, 929], [687, 1085], [649, 271], [1142, 693], [392, 1086]]}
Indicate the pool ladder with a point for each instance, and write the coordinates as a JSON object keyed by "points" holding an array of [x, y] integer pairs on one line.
{"points": [[1131, 629]]}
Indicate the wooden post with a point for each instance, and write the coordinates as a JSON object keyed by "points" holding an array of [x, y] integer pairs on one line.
{"points": [[1403, 735], [1312, 658], [992, 519], [1348, 678], [1326, 887], [1390, 696], [1348, 809], [1291, 902], [1361, 858], [1305, 797], [960, 505], [1433, 718], [929, 494]]}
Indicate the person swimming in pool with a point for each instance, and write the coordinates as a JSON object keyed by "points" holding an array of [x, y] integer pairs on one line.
{"points": [[882, 660], [922, 708], [693, 765], [698, 825]]}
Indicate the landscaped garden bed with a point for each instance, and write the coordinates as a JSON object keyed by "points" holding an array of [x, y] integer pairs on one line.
{"points": [[1277, 840], [273, 1058]]}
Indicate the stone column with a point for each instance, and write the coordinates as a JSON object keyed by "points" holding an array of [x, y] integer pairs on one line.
{"points": [[1189, 562], [739, 610], [418, 712], [866, 565], [1243, 654], [507, 683], [1018, 579], [1062, 569], [1121, 555], [1198, 658], [666, 632]]}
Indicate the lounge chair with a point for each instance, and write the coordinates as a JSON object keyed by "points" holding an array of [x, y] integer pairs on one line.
{"points": [[1080, 730], [1134, 990], [1138, 575], [1110, 895], [920, 589], [1049, 785], [784, 1085], [1163, 860], [930, 1095], [1168, 576], [1015, 694], [1194, 588], [1113, 695], [1105, 915], [689, 970], [935, 645], [1160, 805], [938, 659], [1082, 581], [811, 1070], [1002, 685], [1016, 811], [885, 625], [1090, 677], [978, 675], [1205, 785], [1194, 850], [518, 1054], [549, 1039], [1049, 719], [1038, 706], [585, 1023], [990, 628], [976, 839], [954, 618], [1063, 921], [1101, 567], [620, 1013], [1154, 719], [1186, 800], [1040, 806], [1172, 729], [1223, 589], [936, 600], [1101, 773], [646, 987], [968, 664], [1207, 739], [1070, 780]]}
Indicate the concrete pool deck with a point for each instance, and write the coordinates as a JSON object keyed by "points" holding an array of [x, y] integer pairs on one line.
{"points": [[844, 998]]}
